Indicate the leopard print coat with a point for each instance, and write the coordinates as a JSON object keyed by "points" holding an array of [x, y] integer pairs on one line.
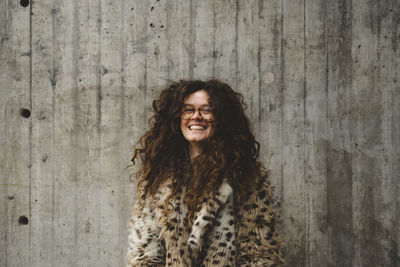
{"points": [[224, 232]]}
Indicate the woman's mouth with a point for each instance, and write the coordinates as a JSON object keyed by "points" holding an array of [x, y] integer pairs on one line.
{"points": [[197, 127]]}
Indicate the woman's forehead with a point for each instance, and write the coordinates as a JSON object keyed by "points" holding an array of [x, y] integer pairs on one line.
{"points": [[197, 98]]}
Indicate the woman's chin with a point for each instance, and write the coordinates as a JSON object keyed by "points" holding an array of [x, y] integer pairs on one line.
{"points": [[197, 137], [197, 141]]}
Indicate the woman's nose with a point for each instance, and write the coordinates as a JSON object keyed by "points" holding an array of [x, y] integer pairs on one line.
{"points": [[196, 115]]}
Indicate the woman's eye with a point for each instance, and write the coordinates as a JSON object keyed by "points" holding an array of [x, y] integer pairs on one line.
{"points": [[188, 110], [207, 111]]}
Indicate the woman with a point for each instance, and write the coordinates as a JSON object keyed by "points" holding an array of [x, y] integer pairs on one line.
{"points": [[203, 196]]}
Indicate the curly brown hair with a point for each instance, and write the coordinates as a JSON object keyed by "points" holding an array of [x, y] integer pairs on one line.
{"points": [[231, 152]]}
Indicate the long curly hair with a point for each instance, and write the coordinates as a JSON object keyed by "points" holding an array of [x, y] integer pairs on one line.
{"points": [[231, 152]]}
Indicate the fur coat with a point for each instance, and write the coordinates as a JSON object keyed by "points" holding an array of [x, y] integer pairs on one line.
{"points": [[224, 232]]}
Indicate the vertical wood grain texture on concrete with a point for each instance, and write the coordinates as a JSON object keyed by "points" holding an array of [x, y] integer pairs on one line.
{"points": [[15, 134], [339, 157], [295, 197], [321, 82]]}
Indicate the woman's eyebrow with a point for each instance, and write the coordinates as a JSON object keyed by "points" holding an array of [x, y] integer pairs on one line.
{"points": [[191, 105]]}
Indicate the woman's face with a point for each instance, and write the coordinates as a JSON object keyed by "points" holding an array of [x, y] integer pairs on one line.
{"points": [[197, 118]]}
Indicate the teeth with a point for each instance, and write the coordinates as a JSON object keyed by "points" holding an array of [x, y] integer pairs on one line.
{"points": [[197, 127]]}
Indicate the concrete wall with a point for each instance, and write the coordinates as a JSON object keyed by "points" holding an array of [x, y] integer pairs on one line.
{"points": [[321, 78]]}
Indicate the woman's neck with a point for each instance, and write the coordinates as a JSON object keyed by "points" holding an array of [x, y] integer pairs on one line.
{"points": [[195, 150]]}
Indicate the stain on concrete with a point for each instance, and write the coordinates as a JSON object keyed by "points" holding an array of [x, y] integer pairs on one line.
{"points": [[41, 115], [87, 226], [25, 54], [104, 70], [396, 25], [53, 82], [4, 39]]}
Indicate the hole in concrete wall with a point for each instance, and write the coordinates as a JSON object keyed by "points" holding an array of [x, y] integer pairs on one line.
{"points": [[23, 220], [26, 113], [24, 3]]}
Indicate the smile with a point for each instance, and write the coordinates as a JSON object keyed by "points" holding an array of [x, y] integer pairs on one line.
{"points": [[197, 127]]}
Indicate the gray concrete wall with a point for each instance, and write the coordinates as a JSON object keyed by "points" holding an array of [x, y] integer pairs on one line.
{"points": [[321, 79]]}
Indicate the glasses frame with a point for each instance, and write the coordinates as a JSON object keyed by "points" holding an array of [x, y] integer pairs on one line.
{"points": [[200, 110]]}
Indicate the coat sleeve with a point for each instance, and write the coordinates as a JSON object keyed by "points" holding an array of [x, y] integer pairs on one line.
{"points": [[259, 243], [144, 246]]}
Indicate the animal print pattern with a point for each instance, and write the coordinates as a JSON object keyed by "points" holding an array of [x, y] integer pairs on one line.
{"points": [[207, 214], [258, 240], [225, 232], [144, 246]]}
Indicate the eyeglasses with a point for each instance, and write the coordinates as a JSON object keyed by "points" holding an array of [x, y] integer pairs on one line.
{"points": [[189, 111]]}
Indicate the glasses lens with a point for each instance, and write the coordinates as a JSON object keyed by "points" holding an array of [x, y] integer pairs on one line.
{"points": [[206, 113]]}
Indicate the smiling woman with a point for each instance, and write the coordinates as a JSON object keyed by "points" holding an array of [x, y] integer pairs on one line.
{"points": [[204, 199]]}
